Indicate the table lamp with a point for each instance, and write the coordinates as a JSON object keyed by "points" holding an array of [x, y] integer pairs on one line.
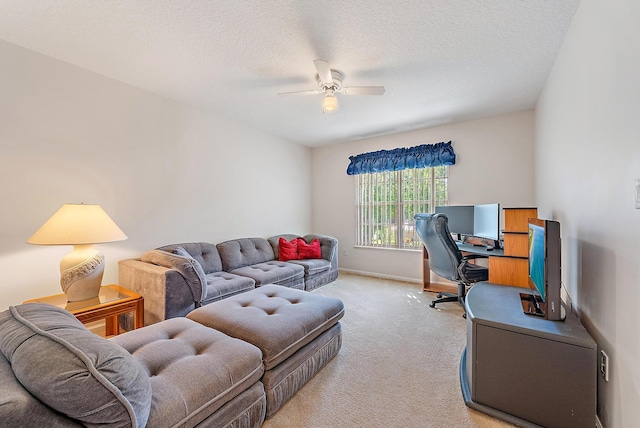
{"points": [[80, 225]]}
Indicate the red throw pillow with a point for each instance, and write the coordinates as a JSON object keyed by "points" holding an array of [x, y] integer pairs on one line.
{"points": [[287, 250], [309, 251]]}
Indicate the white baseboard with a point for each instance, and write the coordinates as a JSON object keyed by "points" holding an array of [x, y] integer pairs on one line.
{"points": [[380, 275]]}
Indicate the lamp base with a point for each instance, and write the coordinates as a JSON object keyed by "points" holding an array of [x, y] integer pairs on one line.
{"points": [[81, 273]]}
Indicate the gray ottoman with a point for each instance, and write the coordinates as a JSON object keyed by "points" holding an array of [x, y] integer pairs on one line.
{"points": [[298, 333], [198, 376]]}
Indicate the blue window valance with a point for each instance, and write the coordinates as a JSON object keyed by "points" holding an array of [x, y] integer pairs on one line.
{"points": [[423, 156]]}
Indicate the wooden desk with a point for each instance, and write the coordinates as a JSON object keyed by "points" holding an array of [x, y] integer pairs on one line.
{"points": [[112, 301], [514, 269], [508, 266], [479, 249], [504, 268], [500, 268]]}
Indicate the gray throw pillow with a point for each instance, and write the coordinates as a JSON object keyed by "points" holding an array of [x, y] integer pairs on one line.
{"points": [[18, 408], [197, 267], [71, 370], [189, 268]]}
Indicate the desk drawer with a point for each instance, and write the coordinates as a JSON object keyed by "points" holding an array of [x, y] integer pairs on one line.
{"points": [[516, 244]]}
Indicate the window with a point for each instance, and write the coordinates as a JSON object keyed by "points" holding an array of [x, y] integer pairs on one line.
{"points": [[387, 201]]}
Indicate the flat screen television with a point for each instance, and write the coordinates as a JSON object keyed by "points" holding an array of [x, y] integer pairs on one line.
{"points": [[459, 218], [486, 222], [544, 270]]}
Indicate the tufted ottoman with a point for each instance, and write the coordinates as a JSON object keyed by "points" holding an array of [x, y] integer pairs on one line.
{"points": [[298, 333], [198, 375]]}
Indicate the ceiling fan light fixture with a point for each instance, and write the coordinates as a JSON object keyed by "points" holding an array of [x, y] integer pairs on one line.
{"points": [[329, 102], [330, 83]]}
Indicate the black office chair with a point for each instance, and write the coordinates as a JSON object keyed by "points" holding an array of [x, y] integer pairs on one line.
{"points": [[445, 259]]}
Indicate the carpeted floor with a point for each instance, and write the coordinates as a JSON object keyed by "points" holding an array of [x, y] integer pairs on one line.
{"points": [[398, 366]]}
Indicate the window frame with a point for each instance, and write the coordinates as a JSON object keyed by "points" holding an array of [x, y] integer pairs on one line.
{"points": [[396, 231]]}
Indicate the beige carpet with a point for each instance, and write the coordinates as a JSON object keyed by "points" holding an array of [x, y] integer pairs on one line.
{"points": [[398, 366]]}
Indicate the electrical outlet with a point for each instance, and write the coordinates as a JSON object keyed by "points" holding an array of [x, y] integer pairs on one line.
{"points": [[638, 193], [344, 252], [604, 365]]}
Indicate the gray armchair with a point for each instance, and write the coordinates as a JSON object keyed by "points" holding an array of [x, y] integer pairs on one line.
{"points": [[445, 258]]}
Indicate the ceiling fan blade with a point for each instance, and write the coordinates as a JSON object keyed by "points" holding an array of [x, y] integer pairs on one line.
{"points": [[362, 90], [311, 92], [324, 71]]}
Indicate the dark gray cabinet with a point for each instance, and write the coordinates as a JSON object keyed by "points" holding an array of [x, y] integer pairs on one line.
{"points": [[524, 369]]}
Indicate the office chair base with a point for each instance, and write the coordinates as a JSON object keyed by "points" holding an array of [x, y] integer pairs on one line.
{"points": [[443, 297]]}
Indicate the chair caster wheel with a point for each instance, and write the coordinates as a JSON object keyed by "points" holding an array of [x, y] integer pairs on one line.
{"points": [[432, 305], [439, 295]]}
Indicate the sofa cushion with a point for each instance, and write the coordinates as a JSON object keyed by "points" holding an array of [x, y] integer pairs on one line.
{"points": [[239, 253], [205, 253], [274, 272], [184, 265], [287, 250], [313, 266], [310, 250], [194, 370], [224, 284], [72, 370]]}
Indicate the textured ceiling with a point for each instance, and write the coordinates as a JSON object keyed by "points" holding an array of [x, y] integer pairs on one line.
{"points": [[440, 60]]}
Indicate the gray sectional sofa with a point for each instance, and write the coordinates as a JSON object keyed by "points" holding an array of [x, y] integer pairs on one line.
{"points": [[56, 373], [229, 364], [175, 279]]}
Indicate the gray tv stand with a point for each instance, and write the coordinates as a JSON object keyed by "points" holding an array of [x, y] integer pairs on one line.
{"points": [[524, 369]]}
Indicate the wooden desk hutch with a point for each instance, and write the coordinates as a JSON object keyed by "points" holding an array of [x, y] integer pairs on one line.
{"points": [[513, 268]]}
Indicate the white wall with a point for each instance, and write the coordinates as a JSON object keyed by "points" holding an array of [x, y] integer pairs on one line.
{"points": [[494, 163], [587, 159], [165, 172]]}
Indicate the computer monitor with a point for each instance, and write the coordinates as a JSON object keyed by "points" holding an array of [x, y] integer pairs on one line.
{"points": [[544, 271], [460, 218], [486, 222]]}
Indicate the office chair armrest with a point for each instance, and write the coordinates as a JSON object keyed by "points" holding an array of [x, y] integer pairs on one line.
{"points": [[471, 273]]}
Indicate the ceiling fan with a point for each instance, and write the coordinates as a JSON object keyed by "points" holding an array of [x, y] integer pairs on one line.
{"points": [[330, 82]]}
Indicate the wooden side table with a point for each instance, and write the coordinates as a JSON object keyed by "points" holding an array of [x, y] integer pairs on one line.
{"points": [[112, 301]]}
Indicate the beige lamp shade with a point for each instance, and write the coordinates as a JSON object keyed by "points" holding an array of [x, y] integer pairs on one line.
{"points": [[80, 225], [75, 224]]}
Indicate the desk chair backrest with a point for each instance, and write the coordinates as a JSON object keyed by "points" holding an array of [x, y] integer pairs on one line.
{"points": [[444, 254]]}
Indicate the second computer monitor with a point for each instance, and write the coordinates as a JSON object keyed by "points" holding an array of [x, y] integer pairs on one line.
{"points": [[486, 221]]}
